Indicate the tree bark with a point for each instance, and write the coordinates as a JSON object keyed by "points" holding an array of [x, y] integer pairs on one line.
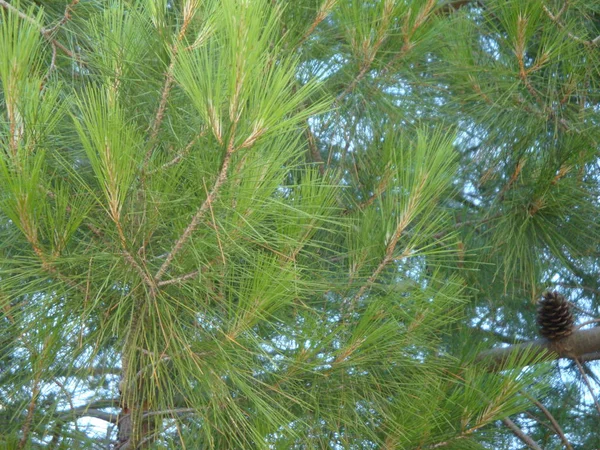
{"points": [[581, 345]]}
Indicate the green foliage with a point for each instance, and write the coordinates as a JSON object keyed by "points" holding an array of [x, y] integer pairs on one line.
{"points": [[267, 224]]}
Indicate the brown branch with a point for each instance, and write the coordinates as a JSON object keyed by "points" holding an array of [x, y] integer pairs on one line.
{"points": [[180, 155], [585, 288], [170, 412], [391, 246], [555, 19], [520, 54], [546, 111], [594, 356], [381, 187], [520, 434], [180, 279], [407, 46], [65, 18], [323, 12], [588, 322], [141, 272], [579, 343], [371, 51], [212, 195], [479, 91], [513, 178], [579, 308], [361, 74], [448, 8], [588, 384], [169, 77], [32, 238], [314, 151], [444, 443], [90, 410], [552, 420], [47, 33], [30, 410]]}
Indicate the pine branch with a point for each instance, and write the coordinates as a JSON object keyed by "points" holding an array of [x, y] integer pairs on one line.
{"points": [[179, 156], [520, 434], [579, 343], [188, 14], [593, 356], [552, 420], [314, 151], [371, 52], [381, 188], [47, 33], [211, 197], [588, 322], [32, 237], [324, 11], [556, 20], [30, 410], [181, 279], [142, 273], [82, 411], [453, 6], [409, 32], [92, 409], [587, 383], [403, 223]]}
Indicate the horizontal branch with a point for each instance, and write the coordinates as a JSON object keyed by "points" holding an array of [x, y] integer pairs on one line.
{"points": [[85, 372], [580, 344], [91, 410]]}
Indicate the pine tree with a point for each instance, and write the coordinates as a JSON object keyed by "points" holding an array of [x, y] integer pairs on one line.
{"points": [[239, 224]]}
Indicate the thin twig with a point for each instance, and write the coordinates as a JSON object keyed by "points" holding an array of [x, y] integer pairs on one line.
{"points": [[381, 187], [589, 322], [587, 383], [174, 411], [371, 53], [552, 420], [407, 46], [323, 12], [513, 178], [143, 274], [389, 252], [520, 54], [180, 279], [578, 308], [30, 410], [214, 222], [520, 434], [212, 195], [555, 19], [155, 126], [52, 65], [585, 288], [442, 444], [65, 18], [314, 151], [180, 155], [47, 33]]}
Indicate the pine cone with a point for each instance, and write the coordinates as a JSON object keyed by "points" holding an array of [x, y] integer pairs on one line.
{"points": [[554, 316]]}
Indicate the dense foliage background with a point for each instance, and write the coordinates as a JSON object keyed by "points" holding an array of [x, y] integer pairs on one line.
{"points": [[271, 224]]}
